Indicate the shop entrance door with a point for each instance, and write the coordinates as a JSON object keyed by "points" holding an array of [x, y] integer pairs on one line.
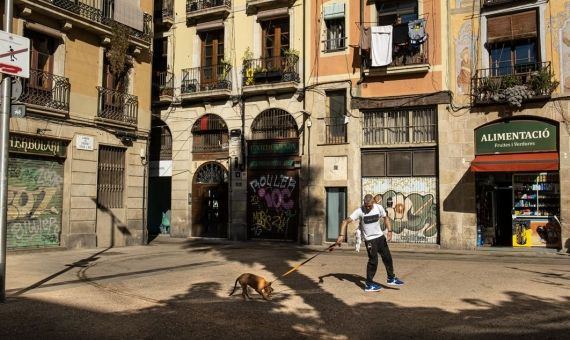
{"points": [[503, 208]]}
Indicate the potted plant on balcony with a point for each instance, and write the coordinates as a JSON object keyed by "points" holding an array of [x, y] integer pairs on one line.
{"points": [[542, 82], [248, 69], [291, 58], [224, 70]]}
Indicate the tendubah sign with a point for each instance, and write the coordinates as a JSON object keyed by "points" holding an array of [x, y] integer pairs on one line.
{"points": [[516, 136]]}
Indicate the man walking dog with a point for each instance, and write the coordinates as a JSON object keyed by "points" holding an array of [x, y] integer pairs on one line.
{"points": [[376, 242]]}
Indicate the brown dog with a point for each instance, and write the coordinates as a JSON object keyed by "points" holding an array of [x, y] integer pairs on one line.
{"points": [[256, 282]]}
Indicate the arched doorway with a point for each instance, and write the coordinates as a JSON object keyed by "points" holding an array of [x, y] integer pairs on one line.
{"points": [[210, 201], [273, 177], [160, 179]]}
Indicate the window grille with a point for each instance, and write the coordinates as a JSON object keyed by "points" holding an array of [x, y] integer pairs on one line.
{"points": [[160, 144], [335, 127], [409, 126], [209, 134], [274, 124], [110, 179]]}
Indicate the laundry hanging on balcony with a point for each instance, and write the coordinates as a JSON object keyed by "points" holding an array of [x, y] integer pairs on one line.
{"points": [[364, 38], [381, 45], [417, 31]]}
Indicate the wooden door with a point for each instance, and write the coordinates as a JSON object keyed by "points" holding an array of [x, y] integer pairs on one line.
{"points": [[212, 57]]}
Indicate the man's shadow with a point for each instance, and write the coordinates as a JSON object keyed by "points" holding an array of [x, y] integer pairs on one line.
{"points": [[356, 279]]}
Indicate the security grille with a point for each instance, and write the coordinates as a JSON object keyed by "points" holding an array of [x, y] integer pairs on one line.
{"points": [[409, 126], [111, 180], [209, 134], [274, 124]]}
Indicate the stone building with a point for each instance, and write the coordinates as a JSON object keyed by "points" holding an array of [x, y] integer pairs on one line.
{"points": [[503, 158], [77, 166], [228, 114]]}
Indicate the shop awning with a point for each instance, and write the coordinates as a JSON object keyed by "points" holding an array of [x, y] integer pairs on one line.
{"points": [[541, 161]]}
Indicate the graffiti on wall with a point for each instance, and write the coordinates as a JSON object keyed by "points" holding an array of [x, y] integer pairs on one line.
{"points": [[34, 203], [272, 204], [410, 203]]}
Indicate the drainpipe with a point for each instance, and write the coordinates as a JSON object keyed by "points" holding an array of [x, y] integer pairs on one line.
{"points": [[308, 131], [360, 44]]}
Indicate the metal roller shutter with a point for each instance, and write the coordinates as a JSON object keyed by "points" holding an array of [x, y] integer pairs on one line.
{"points": [[35, 196]]}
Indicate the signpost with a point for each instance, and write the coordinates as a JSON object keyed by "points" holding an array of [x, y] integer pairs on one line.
{"points": [[14, 54]]}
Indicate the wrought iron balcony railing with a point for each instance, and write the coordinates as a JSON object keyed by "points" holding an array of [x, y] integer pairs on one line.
{"points": [[335, 130], [164, 10], [46, 90], [197, 5], [102, 11], [163, 84], [407, 54], [206, 78], [117, 106], [271, 70], [529, 80], [485, 3], [336, 44]]}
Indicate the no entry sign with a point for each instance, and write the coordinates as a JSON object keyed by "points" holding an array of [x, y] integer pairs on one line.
{"points": [[14, 55]]}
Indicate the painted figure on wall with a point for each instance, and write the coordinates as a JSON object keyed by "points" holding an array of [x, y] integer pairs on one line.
{"points": [[565, 52], [463, 59]]}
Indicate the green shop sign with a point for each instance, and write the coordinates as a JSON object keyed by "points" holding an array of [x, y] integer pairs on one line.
{"points": [[516, 136], [277, 148], [256, 164], [37, 146]]}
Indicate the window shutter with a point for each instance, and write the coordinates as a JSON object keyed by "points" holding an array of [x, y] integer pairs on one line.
{"points": [[512, 27], [333, 11]]}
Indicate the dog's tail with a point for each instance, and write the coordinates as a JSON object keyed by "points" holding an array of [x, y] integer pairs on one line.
{"points": [[235, 286]]}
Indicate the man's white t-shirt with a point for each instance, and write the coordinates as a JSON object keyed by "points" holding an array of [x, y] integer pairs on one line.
{"points": [[370, 222]]}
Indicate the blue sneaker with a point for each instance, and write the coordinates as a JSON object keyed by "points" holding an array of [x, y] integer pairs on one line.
{"points": [[372, 287], [395, 281]]}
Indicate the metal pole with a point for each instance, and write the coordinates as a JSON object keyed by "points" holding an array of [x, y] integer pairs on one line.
{"points": [[4, 133]]}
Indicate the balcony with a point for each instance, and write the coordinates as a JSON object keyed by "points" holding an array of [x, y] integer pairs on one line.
{"points": [[491, 3], [46, 93], [335, 130], [406, 58], [253, 6], [334, 45], [206, 82], [513, 85], [200, 9], [164, 12], [275, 74], [94, 15], [116, 107], [163, 87]]}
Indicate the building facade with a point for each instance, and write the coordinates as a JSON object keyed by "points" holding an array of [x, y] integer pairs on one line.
{"points": [[502, 182], [376, 87], [228, 102], [77, 166]]}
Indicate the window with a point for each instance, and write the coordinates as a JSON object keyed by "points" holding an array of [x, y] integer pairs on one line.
{"points": [[512, 43], [110, 179], [41, 59], [212, 55], [396, 12], [209, 134], [275, 37], [111, 81], [399, 163], [334, 122], [404, 126], [335, 27]]}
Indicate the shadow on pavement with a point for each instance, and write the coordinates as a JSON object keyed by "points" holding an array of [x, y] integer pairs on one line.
{"points": [[206, 311]]}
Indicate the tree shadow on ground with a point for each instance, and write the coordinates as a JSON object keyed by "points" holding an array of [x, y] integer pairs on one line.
{"points": [[206, 311]]}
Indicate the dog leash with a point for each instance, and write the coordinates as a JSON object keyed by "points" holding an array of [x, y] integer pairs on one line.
{"points": [[302, 263]]}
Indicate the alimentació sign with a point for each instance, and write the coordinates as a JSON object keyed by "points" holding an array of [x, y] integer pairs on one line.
{"points": [[516, 136]]}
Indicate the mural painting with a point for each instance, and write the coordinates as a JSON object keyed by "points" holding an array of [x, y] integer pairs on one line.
{"points": [[411, 205], [463, 57], [273, 204], [34, 203]]}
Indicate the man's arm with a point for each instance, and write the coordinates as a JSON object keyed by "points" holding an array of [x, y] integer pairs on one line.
{"points": [[388, 225], [342, 230]]}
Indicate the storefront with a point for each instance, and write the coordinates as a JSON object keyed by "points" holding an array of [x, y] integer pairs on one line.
{"points": [[516, 169], [35, 191]]}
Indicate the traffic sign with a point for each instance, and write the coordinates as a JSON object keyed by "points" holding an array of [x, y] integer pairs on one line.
{"points": [[14, 55], [18, 110]]}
